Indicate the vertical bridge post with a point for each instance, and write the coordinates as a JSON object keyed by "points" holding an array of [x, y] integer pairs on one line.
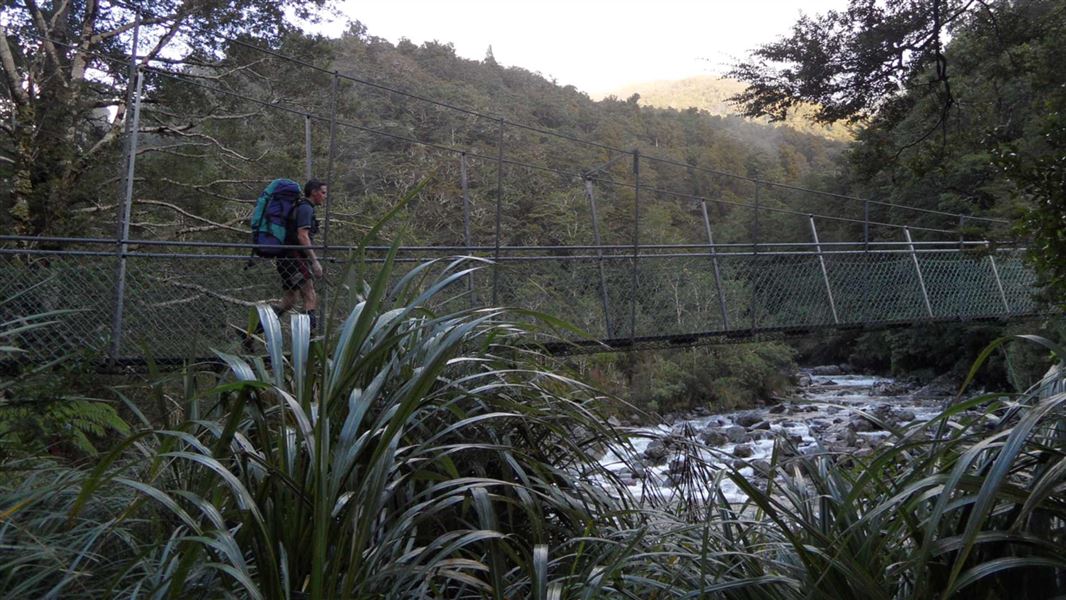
{"points": [[324, 301], [599, 258], [918, 271], [999, 282], [499, 208], [636, 248], [124, 222], [866, 225], [308, 171], [755, 261], [825, 274], [714, 261], [464, 182]]}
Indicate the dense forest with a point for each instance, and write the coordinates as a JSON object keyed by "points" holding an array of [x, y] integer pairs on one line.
{"points": [[715, 95], [423, 447], [214, 132]]}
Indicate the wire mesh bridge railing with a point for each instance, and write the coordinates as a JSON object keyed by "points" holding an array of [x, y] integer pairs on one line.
{"points": [[181, 302]]}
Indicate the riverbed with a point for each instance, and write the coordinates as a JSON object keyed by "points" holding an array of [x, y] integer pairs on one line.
{"points": [[842, 414]]}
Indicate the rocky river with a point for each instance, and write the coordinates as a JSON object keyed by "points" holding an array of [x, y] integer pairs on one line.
{"points": [[831, 411]]}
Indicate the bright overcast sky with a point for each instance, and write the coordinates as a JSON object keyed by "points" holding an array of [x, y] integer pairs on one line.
{"points": [[595, 45]]}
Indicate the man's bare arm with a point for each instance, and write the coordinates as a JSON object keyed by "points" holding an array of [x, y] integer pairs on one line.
{"points": [[304, 236]]}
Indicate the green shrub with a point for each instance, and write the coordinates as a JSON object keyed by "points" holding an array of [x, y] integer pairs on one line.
{"points": [[46, 408], [720, 378]]}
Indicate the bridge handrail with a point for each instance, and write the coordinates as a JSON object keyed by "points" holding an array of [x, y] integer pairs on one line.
{"points": [[486, 248]]}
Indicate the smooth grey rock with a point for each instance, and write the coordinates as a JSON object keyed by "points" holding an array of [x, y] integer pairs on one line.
{"points": [[683, 429], [786, 449], [747, 419], [656, 452], [713, 437], [735, 433], [637, 469], [743, 451], [860, 423], [905, 415]]}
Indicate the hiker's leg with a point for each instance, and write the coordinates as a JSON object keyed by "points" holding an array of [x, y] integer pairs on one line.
{"points": [[310, 298], [309, 295], [288, 301], [292, 279]]}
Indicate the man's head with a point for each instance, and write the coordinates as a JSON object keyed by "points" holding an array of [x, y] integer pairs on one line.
{"points": [[315, 191]]}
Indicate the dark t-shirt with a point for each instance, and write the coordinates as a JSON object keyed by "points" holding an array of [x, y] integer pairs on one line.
{"points": [[302, 216]]}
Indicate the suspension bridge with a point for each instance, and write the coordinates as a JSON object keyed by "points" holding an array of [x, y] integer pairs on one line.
{"points": [[746, 256]]}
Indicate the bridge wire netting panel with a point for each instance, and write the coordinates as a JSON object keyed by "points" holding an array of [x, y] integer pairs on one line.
{"points": [[186, 306]]}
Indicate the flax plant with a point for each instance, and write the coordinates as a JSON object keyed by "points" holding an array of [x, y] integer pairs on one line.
{"points": [[971, 504], [412, 454], [422, 451]]}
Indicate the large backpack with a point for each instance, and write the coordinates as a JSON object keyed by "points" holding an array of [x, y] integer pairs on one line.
{"points": [[271, 216]]}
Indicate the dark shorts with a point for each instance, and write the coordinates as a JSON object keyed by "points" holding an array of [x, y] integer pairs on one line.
{"points": [[294, 272]]}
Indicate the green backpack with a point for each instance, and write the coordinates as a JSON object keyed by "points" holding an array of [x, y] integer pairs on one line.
{"points": [[270, 219]]}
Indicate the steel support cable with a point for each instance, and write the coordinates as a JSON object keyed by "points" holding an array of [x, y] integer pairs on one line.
{"points": [[597, 144], [601, 145], [513, 162], [359, 80], [945, 244], [540, 258], [533, 129], [820, 192], [305, 113], [356, 126], [770, 209], [413, 96]]}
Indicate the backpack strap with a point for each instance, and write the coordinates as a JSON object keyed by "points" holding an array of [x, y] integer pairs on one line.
{"points": [[292, 211]]}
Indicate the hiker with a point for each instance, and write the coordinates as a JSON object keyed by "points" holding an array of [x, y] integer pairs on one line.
{"points": [[300, 267]]}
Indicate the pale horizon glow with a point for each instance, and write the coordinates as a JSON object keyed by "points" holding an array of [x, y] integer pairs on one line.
{"points": [[597, 46]]}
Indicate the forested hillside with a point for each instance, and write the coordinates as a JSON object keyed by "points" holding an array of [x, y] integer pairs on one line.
{"points": [[959, 106], [214, 133], [217, 126], [715, 95]]}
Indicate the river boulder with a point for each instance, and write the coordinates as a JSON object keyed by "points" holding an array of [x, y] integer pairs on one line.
{"points": [[735, 433], [747, 419], [656, 452], [743, 451], [859, 423], [712, 436]]}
